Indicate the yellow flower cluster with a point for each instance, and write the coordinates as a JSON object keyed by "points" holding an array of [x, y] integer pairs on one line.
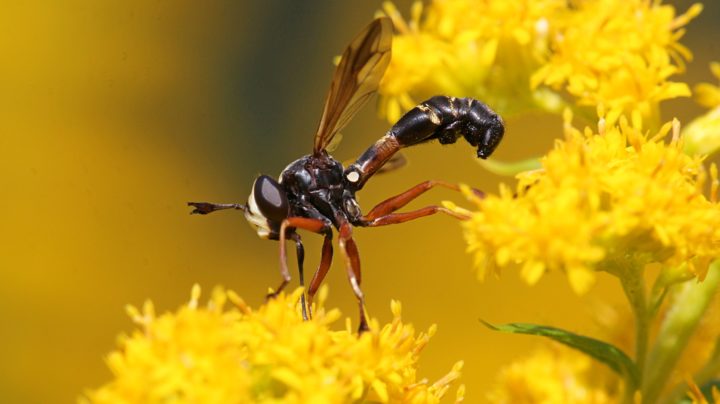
{"points": [[553, 374], [484, 49], [708, 94], [218, 355], [703, 134], [616, 53], [604, 201], [619, 54]]}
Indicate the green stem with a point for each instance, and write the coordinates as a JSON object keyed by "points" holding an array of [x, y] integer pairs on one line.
{"points": [[634, 287], [631, 277], [691, 301], [656, 301]]}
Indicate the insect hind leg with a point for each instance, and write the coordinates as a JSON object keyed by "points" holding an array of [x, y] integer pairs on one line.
{"points": [[383, 213], [396, 202]]}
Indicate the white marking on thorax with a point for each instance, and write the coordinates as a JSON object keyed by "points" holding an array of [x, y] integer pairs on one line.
{"points": [[353, 176]]}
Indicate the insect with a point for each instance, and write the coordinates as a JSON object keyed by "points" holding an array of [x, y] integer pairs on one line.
{"points": [[315, 193]]}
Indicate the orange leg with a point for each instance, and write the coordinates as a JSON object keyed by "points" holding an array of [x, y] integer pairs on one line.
{"points": [[352, 264], [323, 268], [398, 201], [382, 214], [289, 225], [395, 218]]}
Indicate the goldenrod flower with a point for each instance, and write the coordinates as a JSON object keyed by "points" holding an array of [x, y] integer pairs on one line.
{"points": [[554, 374], [708, 94], [215, 354], [484, 49], [702, 135], [619, 54], [614, 201], [616, 53]]}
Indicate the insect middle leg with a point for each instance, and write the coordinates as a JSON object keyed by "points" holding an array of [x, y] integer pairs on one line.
{"points": [[300, 250], [352, 264], [382, 214], [323, 268]]}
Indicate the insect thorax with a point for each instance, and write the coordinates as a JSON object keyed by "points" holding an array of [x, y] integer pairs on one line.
{"points": [[314, 180]]}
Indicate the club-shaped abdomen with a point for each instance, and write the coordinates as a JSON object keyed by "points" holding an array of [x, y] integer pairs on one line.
{"points": [[443, 118], [267, 207]]}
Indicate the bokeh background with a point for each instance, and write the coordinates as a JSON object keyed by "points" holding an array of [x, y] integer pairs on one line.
{"points": [[114, 114]]}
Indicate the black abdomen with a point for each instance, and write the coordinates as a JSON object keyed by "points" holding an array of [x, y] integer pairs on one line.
{"points": [[442, 118]]}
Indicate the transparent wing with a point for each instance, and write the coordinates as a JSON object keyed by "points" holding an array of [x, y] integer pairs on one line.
{"points": [[334, 142], [356, 78]]}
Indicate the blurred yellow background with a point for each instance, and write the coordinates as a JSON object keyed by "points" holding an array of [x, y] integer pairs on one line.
{"points": [[114, 114]]}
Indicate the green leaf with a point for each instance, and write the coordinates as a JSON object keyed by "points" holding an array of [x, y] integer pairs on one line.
{"points": [[606, 353]]}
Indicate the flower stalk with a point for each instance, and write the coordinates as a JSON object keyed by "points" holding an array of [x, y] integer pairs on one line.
{"points": [[630, 274], [691, 302]]}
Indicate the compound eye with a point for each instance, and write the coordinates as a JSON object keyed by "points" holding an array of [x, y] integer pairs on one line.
{"points": [[270, 198]]}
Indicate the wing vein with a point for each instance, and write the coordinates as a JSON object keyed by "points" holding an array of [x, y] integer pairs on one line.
{"points": [[356, 79]]}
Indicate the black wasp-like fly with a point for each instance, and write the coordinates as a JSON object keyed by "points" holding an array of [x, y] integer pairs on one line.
{"points": [[315, 193]]}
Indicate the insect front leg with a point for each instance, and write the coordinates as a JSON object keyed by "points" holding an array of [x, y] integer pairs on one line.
{"points": [[203, 208], [287, 228]]}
